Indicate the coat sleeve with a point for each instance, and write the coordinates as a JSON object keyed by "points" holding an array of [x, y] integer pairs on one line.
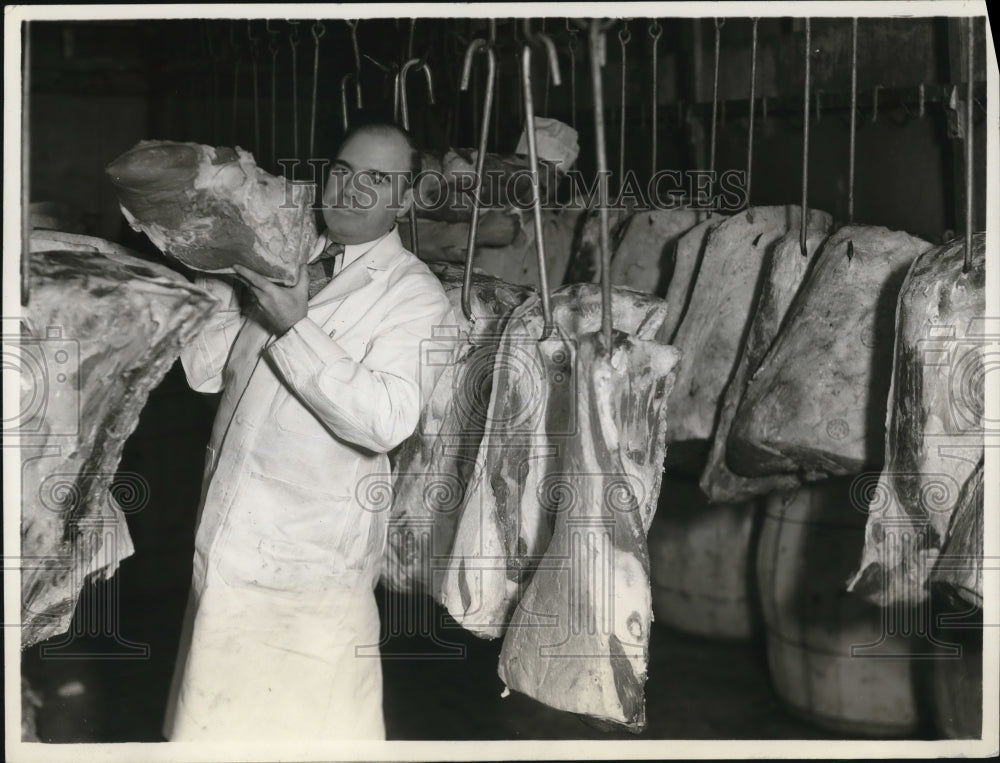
{"points": [[375, 403], [205, 358]]}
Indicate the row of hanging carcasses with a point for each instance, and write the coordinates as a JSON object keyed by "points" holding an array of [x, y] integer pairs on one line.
{"points": [[800, 345]]}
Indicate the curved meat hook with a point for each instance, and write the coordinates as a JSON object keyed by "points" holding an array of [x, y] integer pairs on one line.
{"points": [[529, 129], [404, 113], [477, 46], [343, 95]]}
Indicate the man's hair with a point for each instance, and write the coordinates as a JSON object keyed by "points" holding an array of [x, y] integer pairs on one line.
{"points": [[389, 128]]}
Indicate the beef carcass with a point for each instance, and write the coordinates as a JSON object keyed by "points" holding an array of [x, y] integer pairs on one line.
{"points": [[517, 263], [960, 565], [817, 402], [584, 265], [784, 271], [431, 469], [715, 324], [579, 638], [645, 257], [448, 242], [935, 421], [687, 256], [211, 208], [510, 505], [102, 330]]}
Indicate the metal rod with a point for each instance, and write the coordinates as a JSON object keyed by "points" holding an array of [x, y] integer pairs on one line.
{"points": [[753, 92], [655, 32], [854, 119], [477, 46], [572, 79], [624, 36], [405, 117], [318, 30], [26, 168], [529, 128], [715, 103], [805, 148], [969, 135], [596, 43]]}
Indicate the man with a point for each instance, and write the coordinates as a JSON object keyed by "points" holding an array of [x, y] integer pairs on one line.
{"points": [[319, 382]]}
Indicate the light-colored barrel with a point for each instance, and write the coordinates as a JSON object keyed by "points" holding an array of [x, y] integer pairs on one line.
{"points": [[700, 563], [832, 656]]}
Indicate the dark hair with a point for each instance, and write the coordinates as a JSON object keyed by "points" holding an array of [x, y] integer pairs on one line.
{"points": [[377, 126]]}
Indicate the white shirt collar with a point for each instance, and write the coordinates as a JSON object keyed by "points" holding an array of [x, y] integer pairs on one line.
{"points": [[352, 252]]}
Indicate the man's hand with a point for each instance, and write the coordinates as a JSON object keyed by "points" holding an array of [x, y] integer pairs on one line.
{"points": [[282, 306]]}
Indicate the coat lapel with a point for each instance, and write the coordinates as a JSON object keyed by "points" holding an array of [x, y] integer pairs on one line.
{"points": [[360, 272]]}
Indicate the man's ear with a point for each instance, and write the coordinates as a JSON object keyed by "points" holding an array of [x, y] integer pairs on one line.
{"points": [[405, 203]]}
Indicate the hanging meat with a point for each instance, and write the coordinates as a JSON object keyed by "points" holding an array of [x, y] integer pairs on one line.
{"points": [[211, 208], [517, 263], [934, 427], [432, 467], [578, 640], [584, 264], [817, 402], [645, 258], [688, 252], [784, 271], [715, 325], [960, 565], [511, 501], [101, 331], [447, 242]]}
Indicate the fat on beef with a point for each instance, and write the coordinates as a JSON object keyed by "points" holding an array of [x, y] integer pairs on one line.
{"points": [[101, 330], [211, 208], [817, 402], [715, 325], [934, 425], [785, 269], [579, 637], [431, 469], [507, 518]]}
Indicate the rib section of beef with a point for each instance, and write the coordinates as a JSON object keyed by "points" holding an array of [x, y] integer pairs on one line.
{"points": [[784, 271], [935, 423], [817, 402], [432, 467], [714, 326], [101, 331], [212, 208], [510, 504], [578, 640]]}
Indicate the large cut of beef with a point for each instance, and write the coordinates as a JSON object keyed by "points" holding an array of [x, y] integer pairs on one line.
{"points": [[715, 324], [785, 269], [960, 565], [447, 187], [687, 257], [442, 241], [584, 265], [432, 467], [645, 258], [212, 208], [517, 262], [934, 426], [579, 638], [817, 402], [101, 331], [511, 501]]}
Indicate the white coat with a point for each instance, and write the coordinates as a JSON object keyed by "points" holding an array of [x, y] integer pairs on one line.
{"points": [[281, 634]]}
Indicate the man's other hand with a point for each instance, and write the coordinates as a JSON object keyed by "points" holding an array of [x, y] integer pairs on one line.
{"points": [[282, 306]]}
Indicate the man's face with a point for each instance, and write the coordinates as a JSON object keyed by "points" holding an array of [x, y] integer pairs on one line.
{"points": [[367, 189]]}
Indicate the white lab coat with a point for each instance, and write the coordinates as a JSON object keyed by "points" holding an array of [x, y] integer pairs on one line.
{"points": [[281, 633]]}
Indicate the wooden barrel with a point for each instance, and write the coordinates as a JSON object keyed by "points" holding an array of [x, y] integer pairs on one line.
{"points": [[700, 563], [830, 658]]}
